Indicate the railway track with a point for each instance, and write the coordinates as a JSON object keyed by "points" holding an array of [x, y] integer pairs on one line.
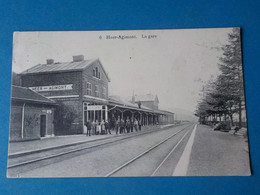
{"points": [[20, 161], [129, 162]]}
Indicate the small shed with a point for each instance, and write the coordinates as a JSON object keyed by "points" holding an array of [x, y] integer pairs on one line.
{"points": [[32, 115]]}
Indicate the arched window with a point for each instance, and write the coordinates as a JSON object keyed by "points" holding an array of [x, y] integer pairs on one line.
{"points": [[94, 73]]}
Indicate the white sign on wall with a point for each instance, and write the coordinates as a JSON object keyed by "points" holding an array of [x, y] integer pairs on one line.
{"points": [[95, 107], [52, 88], [47, 111]]}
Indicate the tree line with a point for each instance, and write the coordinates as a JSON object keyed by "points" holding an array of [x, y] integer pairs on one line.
{"points": [[223, 96]]}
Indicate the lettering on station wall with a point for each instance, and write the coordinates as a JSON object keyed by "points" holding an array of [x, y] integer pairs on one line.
{"points": [[94, 107], [52, 88]]}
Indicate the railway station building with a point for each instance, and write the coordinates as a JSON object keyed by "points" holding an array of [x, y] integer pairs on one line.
{"points": [[32, 115], [80, 90]]}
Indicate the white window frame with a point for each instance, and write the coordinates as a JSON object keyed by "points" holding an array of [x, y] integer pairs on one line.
{"points": [[96, 91], [97, 74], [89, 88]]}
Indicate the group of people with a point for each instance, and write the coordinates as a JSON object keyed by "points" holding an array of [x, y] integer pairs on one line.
{"points": [[120, 126], [96, 127], [127, 126]]}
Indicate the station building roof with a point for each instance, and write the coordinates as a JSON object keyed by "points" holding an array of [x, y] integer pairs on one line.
{"points": [[75, 65], [58, 67], [125, 104], [27, 95], [123, 101]]}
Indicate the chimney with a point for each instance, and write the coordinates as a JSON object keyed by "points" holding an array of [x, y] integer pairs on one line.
{"points": [[50, 61], [78, 58], [139, 104]]}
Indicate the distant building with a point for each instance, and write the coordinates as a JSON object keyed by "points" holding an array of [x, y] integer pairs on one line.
{"points": [[148, 100], [32, 115]]}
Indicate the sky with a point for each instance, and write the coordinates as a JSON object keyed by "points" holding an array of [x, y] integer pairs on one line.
{"points": [[173, 64]]}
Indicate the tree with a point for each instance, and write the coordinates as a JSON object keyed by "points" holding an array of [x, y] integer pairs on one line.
{"points": [[230, 81], [225, 94], [64, 118], [206, 106]]}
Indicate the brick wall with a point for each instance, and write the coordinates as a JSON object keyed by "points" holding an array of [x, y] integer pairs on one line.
{"points": [[47, 79], [68, 107], [15, 122], [32, 114], [87, 76]]}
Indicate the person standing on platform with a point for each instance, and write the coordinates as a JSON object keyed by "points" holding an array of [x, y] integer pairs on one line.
{"points": [[98, 127], [140, 125], [107, 127], [94, 126], [102, 124], [117, 125], [136, 124], [122, 126], [112, 123], [132, 125], [89, 128], [128, 126]]}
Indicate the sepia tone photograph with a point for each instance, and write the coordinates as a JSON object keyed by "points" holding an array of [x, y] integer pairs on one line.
{"points": [[135, 103]]}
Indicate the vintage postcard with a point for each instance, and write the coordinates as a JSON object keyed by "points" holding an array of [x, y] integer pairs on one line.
{"points": [[127, 104]]}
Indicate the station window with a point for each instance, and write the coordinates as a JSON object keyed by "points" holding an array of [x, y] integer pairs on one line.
{"points": [[96, 73], [96, 91], [89, 88]]}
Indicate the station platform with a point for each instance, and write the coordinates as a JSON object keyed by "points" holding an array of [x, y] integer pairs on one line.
{"points": [[57, 141], [218, 153]]}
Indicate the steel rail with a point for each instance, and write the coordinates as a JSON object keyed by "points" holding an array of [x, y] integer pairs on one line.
{"points": [[143, 153], [19, 154], [117, 139], [173, 149]]}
